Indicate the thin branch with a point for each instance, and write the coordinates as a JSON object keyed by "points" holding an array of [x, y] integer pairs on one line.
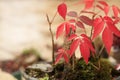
{"points": [[52, 36], [101, 50], [53, 17], [94, 66], [91, 33]]}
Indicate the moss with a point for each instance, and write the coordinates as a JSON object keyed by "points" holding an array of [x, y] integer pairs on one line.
{"points": [[30, 51], [88, 72], [45, 78]]}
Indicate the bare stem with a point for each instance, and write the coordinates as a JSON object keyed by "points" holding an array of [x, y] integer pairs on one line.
{"points": [[100, 52], [52, 36], [99, 63], [73, 62], [95, 66], [53, 17], [91, 33]]}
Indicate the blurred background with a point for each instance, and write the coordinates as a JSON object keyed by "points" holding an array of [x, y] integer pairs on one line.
{"points": [[24, 29]]}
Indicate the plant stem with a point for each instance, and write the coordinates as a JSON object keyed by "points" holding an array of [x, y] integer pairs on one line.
{"points": [[53, 17], [91, 33], [99, 63], [101, 51], [94, 66], [52, 36], [73, 62]]}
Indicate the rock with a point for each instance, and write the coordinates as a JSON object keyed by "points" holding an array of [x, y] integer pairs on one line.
{"points": [[6, 76]]}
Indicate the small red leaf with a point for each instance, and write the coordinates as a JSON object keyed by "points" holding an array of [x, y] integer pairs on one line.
{"points": [[73, 27], [80, 24], [59, 56], [62, 53], [74, 46], [103, 3], [85, 52], [98, 27], [106, 9], [72, 21], [100, 7], [107, 38], [90, 12], [89, 42], [113, 28], [60, 30], [86, 20], [111, 25], [108, 19], [118, 9], [115, 10], [67, 28], [72, 14], [62, 10], [72, 36], [66, 57], [88, 4]]}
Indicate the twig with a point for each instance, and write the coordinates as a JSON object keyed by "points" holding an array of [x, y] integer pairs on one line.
{"points": [[52, 36], [95, 66], [100, 52]]}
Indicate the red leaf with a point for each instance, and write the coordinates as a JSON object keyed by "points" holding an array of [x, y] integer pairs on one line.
{"points": [[106, 9], [86, 20], [103, 3], [72, 14], [118, 9], [85, 52], [66, 58], [111, 25], [108, 19], [116, 20], [74, 46], [100, 7], [59, 56], [88, 4], [62, 53], [113, 28], [72, 36], [67, 28], [98, 27], [73, 27], [60, 30], [115, 10], [80, 24], [72, 20], [89, 42], [62, 10], [107, 38], [90, 12]]}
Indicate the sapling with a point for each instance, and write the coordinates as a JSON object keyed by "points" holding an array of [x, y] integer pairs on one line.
{"points": [[90, 66], [103, 24]]}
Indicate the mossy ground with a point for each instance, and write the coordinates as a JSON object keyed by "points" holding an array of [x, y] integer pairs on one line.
{"points": [[96, 69]]}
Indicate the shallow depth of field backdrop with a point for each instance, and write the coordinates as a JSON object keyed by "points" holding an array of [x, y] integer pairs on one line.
{"points": [[23, 25]]}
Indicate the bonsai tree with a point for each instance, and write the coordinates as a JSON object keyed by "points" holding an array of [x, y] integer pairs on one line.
{"points": [[104, 24]]}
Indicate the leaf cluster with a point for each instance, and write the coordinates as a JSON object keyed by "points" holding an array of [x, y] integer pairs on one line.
{"points": [[100, 24]]}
